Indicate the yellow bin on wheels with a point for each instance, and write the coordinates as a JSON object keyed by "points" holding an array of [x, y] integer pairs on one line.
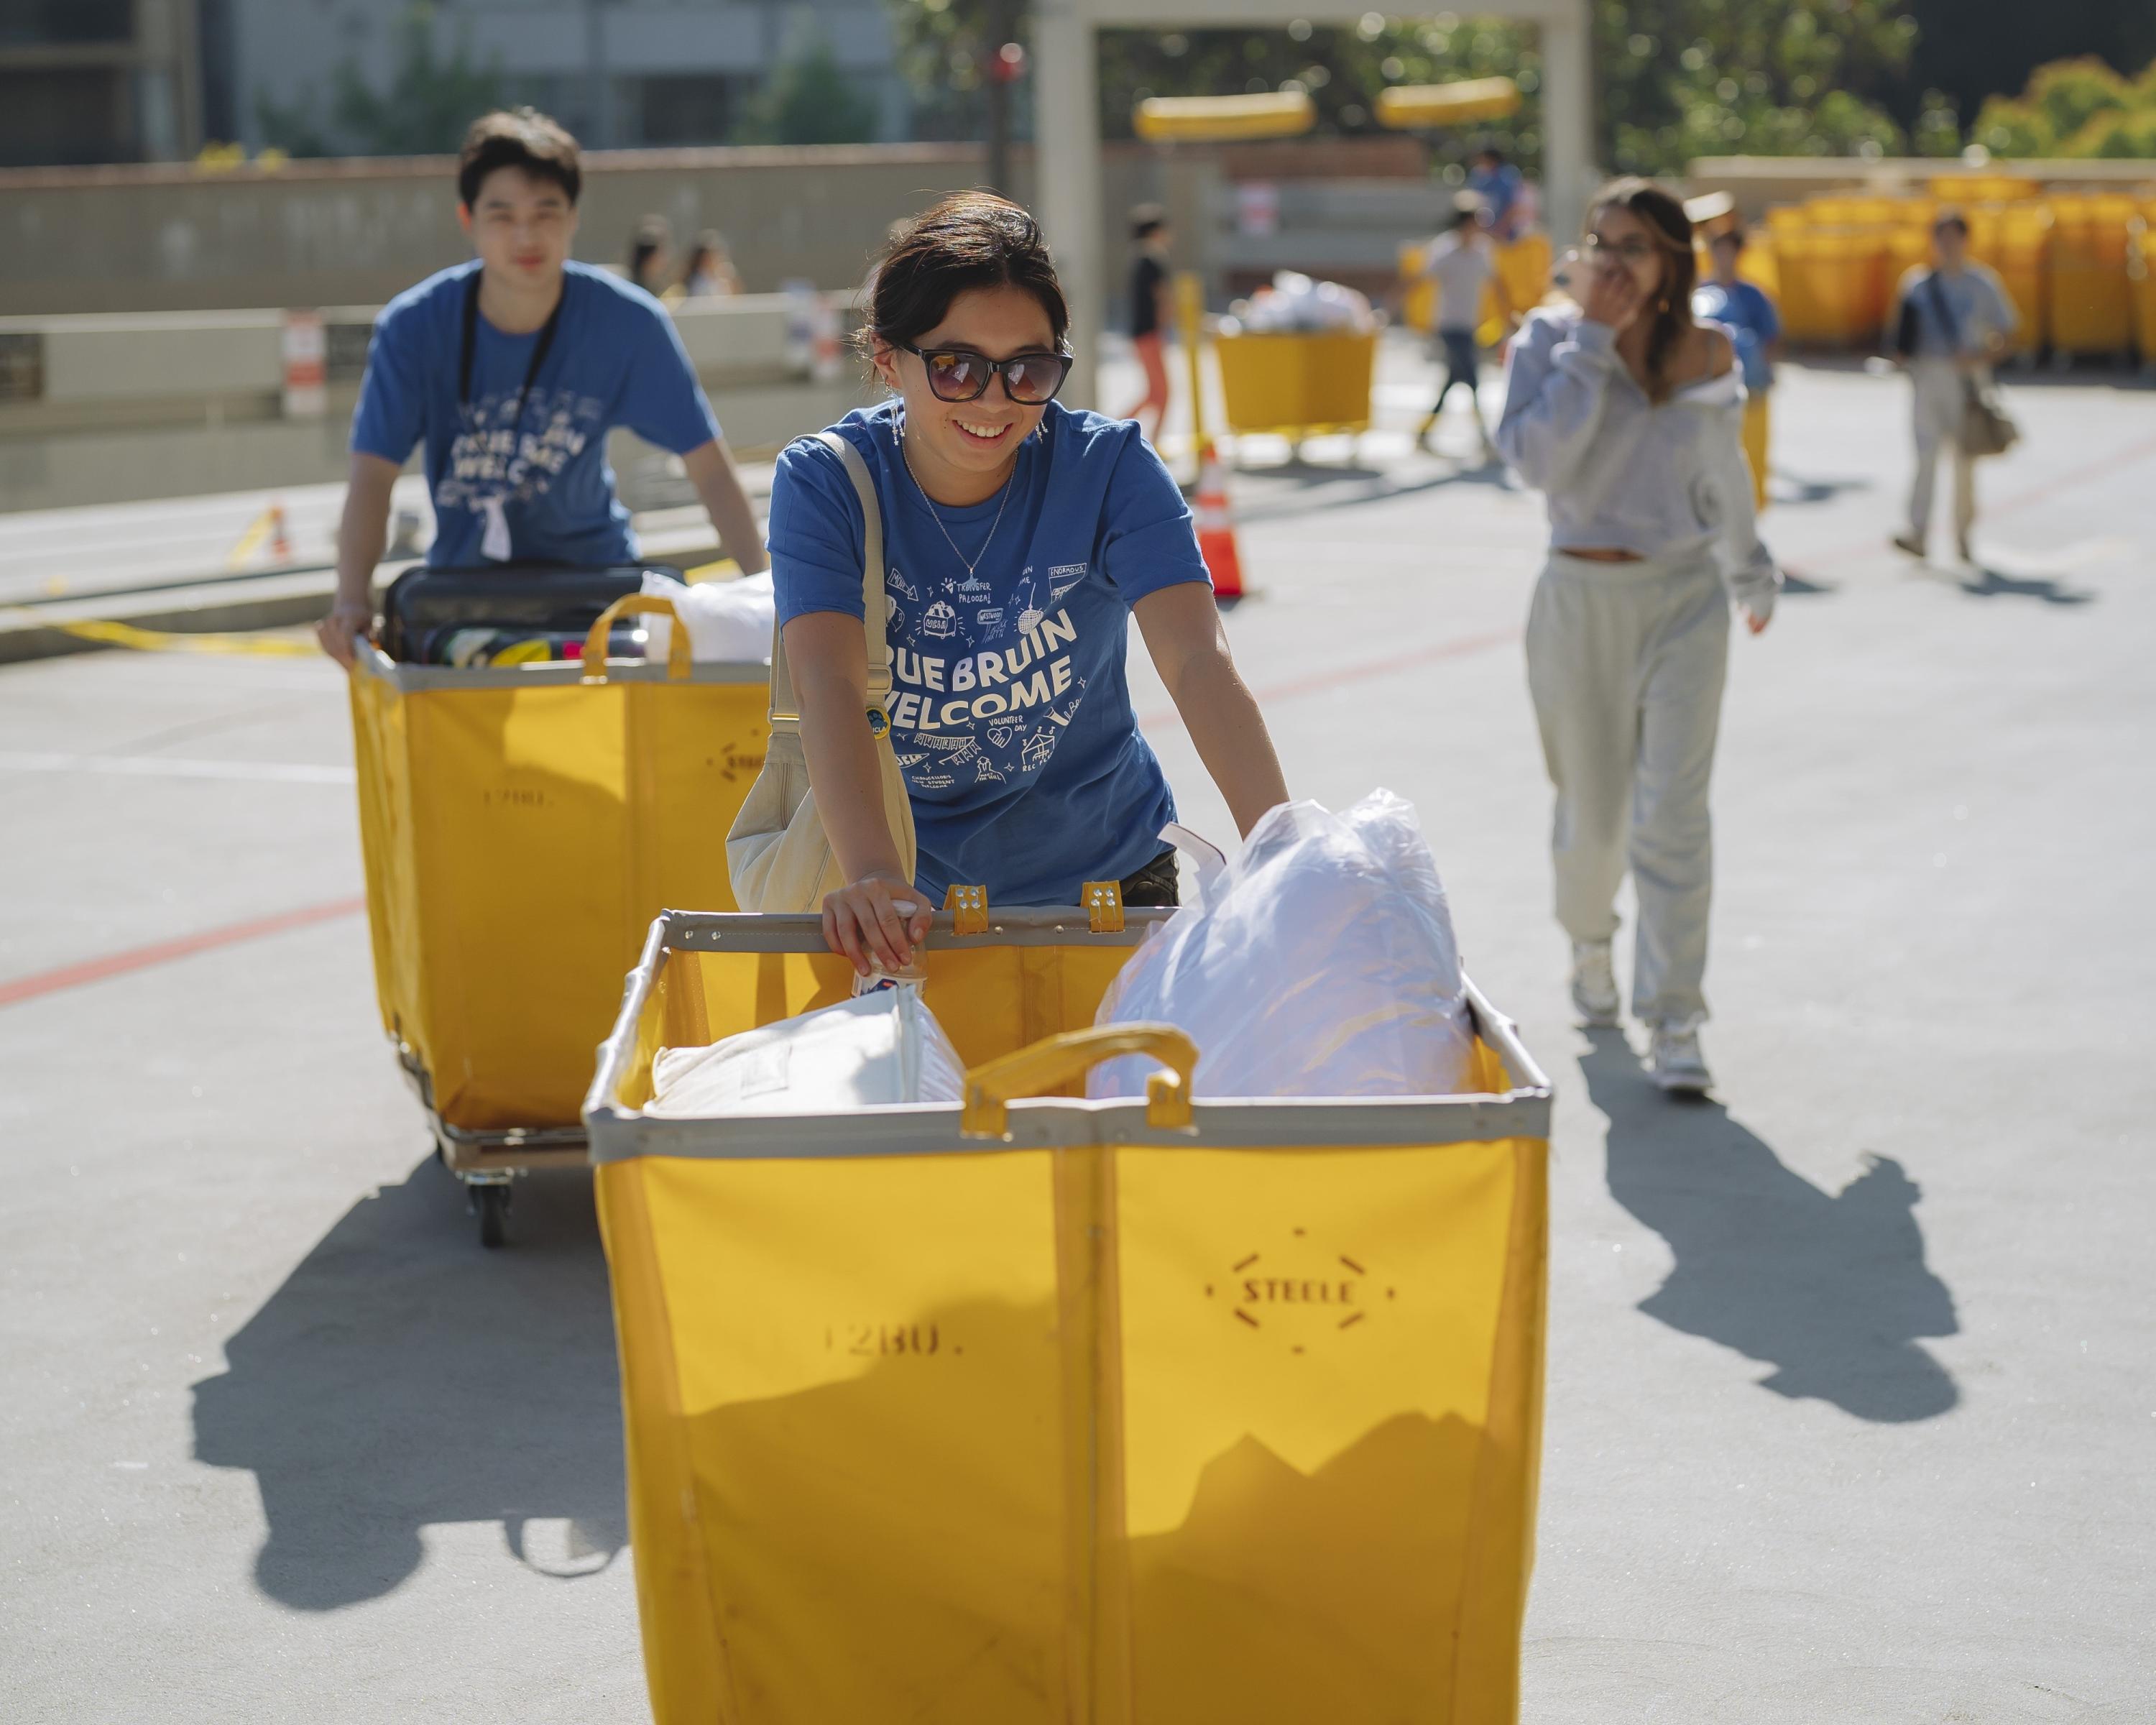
{"points": [[1297, 384], [520, 828], [1039, 1411]]}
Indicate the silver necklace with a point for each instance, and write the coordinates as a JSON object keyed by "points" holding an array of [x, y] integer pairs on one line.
{"points": [[931, 503]]}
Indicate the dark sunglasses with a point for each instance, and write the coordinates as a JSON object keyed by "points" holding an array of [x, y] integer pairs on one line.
{"points": [[960, 374]]}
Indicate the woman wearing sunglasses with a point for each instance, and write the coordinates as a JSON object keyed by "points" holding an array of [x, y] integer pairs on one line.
{"points": [[1628, 415], [1019, 538]]}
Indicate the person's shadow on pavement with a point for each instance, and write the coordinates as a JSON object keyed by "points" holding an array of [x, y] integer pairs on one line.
{"points": [[1830, 1289], [404, 1377], [1986, 582]]}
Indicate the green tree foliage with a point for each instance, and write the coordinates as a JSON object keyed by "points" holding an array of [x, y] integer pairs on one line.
{"points": [[1676, 78], [942, 44], [810, 100], [431, 98], [1976, 48], [2076, 108], [1685, 78]]}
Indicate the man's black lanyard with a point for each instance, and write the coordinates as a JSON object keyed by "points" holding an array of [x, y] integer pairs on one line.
{"points": [[539, 352]]}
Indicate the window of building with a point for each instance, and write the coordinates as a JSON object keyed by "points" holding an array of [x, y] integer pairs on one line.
{"points": [[678, 112], [37, 22]]}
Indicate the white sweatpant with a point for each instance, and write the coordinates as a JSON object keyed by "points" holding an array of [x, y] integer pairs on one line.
{"points": [[1937, 392], [1626, 663]]}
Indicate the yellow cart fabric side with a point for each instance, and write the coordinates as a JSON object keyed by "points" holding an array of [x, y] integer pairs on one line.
{"points": [[520, 828], [1099, 1421]]}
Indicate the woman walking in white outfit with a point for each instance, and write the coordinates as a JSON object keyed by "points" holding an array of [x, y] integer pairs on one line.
{"points": [[1628, 417]]}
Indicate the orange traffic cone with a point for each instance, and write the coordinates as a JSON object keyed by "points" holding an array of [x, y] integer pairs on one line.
{"points": [[281, 538], [1216, 527]]}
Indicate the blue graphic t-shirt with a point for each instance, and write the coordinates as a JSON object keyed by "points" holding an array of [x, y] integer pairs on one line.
{"points": [[1008, 707], [615, 360]]}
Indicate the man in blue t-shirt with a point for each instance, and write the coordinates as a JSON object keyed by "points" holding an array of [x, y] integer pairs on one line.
{"points": [[1503, 192], [512, 370]]}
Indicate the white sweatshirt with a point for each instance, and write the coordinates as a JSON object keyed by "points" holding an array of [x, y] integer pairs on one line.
{"points": [[1622, 473]]}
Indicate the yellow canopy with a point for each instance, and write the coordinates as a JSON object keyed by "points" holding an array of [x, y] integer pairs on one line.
{"points": [[1197, 118], [1406, 107]]}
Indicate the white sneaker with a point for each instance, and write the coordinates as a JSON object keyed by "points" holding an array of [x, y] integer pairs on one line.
{"points": [[1674, 1059], [1594, 982]]}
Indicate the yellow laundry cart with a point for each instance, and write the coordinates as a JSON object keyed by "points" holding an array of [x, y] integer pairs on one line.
{"points": [[1029, 1410], [1297, 384], [520, 825]]}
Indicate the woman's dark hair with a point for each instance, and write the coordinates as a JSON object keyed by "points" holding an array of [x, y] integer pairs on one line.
{"points": [[652, 237], [708, 246], [521, 138], [1660, 211], [968, 240], [1949, 217]]}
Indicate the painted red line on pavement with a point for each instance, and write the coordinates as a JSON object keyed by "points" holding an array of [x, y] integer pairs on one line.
{"points": [[1874, 546], [2095, 470], [1340, 676], [96, 970]]}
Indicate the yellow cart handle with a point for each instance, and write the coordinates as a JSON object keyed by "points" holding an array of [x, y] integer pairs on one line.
{"points": [[637, 604], [1056, 1059]]}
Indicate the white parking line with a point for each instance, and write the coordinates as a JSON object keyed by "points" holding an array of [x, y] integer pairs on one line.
{"points": [[173, 766]]}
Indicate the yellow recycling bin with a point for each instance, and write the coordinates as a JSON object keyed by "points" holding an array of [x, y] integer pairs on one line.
{"points": [[2090, 308], [520, 828], [1049, 1412]]}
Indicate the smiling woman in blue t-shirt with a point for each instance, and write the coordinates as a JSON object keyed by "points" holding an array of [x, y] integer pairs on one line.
{"points": [[1019, 537]]}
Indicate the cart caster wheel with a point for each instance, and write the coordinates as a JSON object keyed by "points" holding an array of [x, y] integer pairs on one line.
{"points": [[491, 1205]]}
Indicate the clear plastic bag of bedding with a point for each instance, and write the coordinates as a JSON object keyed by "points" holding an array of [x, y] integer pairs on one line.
{"points": [[872, 1051], [1319, 963]]}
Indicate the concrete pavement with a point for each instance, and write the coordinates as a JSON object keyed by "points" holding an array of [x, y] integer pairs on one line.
{"points": [[1852, 1372]]}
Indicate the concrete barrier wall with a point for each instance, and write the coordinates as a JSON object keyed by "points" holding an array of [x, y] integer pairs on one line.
{"points": [[178, 403], [171, 238], [359, 232]]}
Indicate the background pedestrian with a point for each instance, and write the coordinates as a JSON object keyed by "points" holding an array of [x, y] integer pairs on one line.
{"points": [[1745, 310], [1151, 313], [1950, 323]]}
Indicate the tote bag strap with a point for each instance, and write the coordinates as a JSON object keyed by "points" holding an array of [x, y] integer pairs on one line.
{"points": [[785, 709]]}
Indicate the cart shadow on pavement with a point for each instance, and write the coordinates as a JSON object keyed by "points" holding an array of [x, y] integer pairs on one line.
{"points": [[1830, 1289], [404, 1377]]}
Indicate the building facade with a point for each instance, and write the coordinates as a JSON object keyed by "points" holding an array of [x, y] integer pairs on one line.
{"points": [[96, 81], [620, 74]]}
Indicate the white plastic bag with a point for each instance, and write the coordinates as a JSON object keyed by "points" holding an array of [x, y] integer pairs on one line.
{"points": [[868, 1052], [1319, 963], [727, 620], [1294, 302]]}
